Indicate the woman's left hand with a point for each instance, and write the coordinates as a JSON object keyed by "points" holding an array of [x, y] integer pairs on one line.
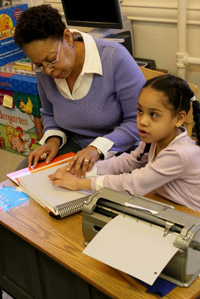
{"points": [[83, 161]]}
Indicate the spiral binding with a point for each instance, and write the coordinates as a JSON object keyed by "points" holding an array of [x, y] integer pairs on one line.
{"points": [[70, 207]]}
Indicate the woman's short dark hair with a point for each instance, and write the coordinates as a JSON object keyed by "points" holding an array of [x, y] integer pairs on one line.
{"points": [[39, 23]]}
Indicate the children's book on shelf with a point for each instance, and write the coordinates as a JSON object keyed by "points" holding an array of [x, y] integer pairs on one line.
{"points": [[14, 68], [24, 72], [23, 67], [25, 62], [58, 201]]}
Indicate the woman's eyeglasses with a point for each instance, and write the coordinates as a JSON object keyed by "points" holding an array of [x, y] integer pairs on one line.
{"points": [[51, 64]]}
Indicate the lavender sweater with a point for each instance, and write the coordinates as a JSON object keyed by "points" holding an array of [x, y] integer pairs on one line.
{"points": [[174, 173], [108, 110]]}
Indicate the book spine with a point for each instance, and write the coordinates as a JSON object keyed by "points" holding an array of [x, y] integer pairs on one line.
{"points": [[71, 207], [24, 67], [24, 72]]}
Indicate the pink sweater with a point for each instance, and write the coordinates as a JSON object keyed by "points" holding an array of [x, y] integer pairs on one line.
{"points": [[174, 173]]}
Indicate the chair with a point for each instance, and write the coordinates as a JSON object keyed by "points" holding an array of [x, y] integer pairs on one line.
{"points": [[148, 74]]}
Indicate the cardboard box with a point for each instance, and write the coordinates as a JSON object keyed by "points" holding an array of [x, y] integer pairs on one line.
{"points": [[20, 131], [9, 16], [18, 83], [27, 103], [11, 53], [20, 124]]}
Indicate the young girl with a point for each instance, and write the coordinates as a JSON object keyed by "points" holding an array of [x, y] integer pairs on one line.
{"points": [[167, 161]]}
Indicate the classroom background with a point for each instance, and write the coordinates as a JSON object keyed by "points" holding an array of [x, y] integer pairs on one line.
{"points": [[170, 28], [164, 30]]}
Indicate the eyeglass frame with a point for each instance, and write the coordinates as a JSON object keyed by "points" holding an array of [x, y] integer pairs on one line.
{"points": [[51, 64]]}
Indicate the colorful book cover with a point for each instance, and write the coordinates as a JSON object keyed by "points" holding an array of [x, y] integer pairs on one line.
{"points": [[41, 166]]}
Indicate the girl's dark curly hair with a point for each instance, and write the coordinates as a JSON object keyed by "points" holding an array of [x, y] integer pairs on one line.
{"points": [[179, 97], [39, 23]]}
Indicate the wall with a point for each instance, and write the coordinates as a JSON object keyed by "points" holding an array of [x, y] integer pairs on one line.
{"points": [[155, 32]]}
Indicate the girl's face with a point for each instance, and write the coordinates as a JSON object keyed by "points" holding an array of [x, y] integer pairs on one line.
{"points": [[49, 52], [155, 120]]}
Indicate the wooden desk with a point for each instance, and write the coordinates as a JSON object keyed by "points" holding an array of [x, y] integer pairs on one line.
{"points": [[41, 257]]}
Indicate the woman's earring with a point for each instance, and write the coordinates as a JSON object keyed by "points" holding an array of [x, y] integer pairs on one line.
{"points": [[71, 46]]}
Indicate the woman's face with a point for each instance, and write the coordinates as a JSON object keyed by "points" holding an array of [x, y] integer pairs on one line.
{"points": [[56, 57]]}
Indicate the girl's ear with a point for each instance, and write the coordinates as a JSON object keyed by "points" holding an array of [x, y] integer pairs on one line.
{"points": [[181, 116]]}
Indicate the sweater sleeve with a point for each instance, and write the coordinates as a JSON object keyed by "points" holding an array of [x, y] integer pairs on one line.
{"points": [[47, 114], [168, 166], [125, 163], [128, 81]]}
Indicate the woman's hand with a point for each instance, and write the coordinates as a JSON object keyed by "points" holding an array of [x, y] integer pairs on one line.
{"points": [[69, 181], [83, 161], [47, 151]]}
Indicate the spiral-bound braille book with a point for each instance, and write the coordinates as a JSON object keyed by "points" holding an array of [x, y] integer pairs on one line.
{"points": [[58, 201]]}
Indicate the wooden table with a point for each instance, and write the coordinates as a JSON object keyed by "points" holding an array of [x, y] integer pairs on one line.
{"points": [[41, 257]]}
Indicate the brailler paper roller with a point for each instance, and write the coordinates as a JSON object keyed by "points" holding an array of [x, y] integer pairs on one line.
{"points": [[105, 204]]}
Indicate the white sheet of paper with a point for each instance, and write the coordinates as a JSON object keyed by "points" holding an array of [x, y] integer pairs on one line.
{"points": [[133, 247]]}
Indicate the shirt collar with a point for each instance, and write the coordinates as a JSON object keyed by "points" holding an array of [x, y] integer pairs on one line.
{"points": [[182, 134], [153, 148], [92, 63]]}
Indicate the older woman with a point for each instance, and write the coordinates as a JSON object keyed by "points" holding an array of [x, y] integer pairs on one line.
{"points": [[88, 88]]}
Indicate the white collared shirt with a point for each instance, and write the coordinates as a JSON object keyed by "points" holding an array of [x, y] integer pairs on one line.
{"points": [[92, 64]]}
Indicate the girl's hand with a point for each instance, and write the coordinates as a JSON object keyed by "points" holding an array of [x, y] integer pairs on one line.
{"points": [[45, 152], [68, 180], [64, 179], [83, 161]]}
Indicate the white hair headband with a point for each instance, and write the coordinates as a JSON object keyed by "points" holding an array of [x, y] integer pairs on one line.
{"points": [[193, 99]]}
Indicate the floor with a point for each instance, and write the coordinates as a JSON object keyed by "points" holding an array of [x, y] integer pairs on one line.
{"points": [[8, 163]]}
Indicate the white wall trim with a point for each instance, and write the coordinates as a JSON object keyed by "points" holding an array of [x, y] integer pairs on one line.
{"points": [[157, 11], [160, 11]]}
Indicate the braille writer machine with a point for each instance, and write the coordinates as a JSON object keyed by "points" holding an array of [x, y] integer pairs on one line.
{"points": [[104, 205]]}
